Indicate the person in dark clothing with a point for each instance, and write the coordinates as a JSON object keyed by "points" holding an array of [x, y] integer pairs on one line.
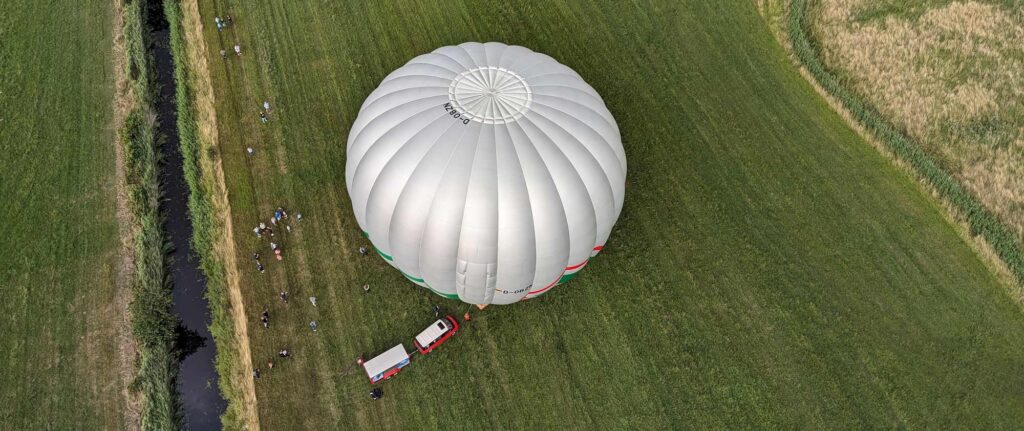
{"points": [[255, 373], [362, 251], [284, 297], [437, 310], [376, 393], [284, 353], [256, 256], [259, 266], [265, 318]]}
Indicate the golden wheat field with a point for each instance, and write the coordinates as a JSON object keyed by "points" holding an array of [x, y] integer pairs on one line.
{"points": [[951, 74]]}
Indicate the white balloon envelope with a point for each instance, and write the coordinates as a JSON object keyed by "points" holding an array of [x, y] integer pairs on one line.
{"points": [[486, 172]]}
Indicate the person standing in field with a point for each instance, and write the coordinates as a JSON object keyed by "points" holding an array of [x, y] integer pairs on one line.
{"points": [[266, 105], [249, 149], [217, 21], [313, 325], [284, 297], [366, 288], [223, 54], [312, 300], [263, 117], [238, 49]]}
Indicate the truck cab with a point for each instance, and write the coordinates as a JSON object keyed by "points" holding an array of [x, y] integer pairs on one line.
{"points": [[435, 334]]}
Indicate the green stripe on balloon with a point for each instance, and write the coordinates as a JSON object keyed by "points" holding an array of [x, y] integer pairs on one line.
{"points": [[418, 280], [381, 253], [424, 284]]}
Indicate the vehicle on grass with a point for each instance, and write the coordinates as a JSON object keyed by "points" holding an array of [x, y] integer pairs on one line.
{"points": [[435, 334], [386, 364]]}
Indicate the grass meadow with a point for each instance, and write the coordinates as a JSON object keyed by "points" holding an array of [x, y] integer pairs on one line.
{"points": [[62, 313], [770, 268]]}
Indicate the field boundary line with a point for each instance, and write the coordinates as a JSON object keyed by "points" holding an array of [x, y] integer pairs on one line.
{"points": [[127, 227], [203, 101], [990, 240]]}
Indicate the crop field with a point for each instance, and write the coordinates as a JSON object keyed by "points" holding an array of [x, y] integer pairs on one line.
{"points": [[59, 236], [948, 74], [769, 269]]}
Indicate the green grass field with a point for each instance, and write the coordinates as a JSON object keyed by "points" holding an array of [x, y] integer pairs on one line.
{"points": [[770, 269], [59, 245]]}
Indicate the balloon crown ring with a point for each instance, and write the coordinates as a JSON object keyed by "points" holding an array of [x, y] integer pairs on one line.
{"points": [[491, 95]]}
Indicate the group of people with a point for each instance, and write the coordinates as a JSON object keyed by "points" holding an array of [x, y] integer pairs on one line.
{"points": [[265, 230], [262, 230], [283, 354], [221, 25], [281, 218]]}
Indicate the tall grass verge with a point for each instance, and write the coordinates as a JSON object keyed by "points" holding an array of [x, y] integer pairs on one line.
{"points": [[207, 227], [979, 220], [153, 323]]}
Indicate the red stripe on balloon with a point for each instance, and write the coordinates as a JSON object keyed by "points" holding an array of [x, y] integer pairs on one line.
{"points": [[570, 268], [553, 283]]}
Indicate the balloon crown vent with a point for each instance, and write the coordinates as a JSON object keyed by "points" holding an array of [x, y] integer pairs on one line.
{"points": [[491, 95]]}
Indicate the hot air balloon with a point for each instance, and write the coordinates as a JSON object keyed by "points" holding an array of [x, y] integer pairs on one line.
{"points": [[486, 172]]}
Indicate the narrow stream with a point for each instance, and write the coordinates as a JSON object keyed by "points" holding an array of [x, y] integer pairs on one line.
{"points": [[201, 400]]}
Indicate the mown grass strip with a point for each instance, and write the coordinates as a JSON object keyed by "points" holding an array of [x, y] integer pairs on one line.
{"points": [[980, 220], [153, 323]]}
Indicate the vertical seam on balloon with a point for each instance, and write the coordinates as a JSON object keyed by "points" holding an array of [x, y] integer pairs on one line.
{"points": [[458, 242], [430, 208], [551, 179], [387, 162], [378, 97], [455, 71], [413, 62], [371, 144], [431, 148], [592, 96], [489, 293], [567, 100], [362, 158], [606, 141], [578, 178], [504, 49], [596, 162], [546, 288], [608, 145], [526, 186], [463, 66]]}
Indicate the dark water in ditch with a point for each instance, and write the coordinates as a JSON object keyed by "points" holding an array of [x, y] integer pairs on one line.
{"points": [[200, 397]]}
